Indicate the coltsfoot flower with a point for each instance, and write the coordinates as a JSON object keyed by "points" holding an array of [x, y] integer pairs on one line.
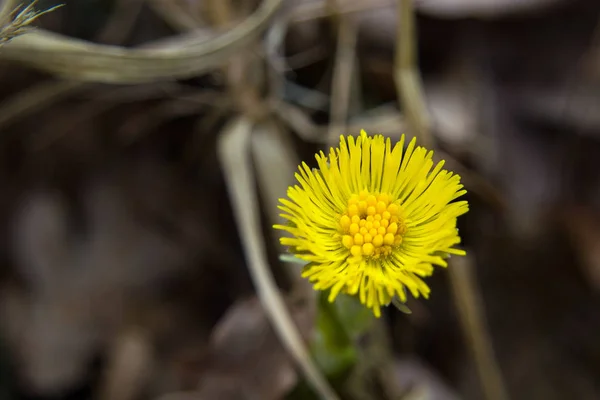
{"points": [[373, 219]]}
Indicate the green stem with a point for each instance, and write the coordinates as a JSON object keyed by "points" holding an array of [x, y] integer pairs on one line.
{"points": [[331, 325]]}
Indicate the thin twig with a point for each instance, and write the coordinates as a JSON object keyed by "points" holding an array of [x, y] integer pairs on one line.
{"points": [[383, 120], [175, 15], [343, 72], [472, 317], [121, 22], [246, 95], [35, 98], [407, 77], [274, 43]]}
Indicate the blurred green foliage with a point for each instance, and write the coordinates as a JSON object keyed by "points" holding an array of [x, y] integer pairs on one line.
{"points": [[334, 346]]}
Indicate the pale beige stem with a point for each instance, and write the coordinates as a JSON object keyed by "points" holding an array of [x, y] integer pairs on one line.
{"points": [[469, 303], [407, 77]]}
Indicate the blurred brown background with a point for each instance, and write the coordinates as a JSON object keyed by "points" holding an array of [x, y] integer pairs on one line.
{"points": [[145, 143]]}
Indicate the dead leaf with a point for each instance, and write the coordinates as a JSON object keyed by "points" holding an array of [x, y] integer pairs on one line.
{"points": [[246, 360], [246, 349]]}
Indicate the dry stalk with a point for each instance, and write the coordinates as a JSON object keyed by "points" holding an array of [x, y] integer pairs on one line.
{"points": [[34, 99], [187, 57], [472, 318], [39, 96], [407, 77], [343, 72], [121, 22], [240, 66], [410, 93], [233, 148], [385, 121], [274, 48], [175, 15]]}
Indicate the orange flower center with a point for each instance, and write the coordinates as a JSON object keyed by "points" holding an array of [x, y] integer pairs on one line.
{"points": [[372, 225]]}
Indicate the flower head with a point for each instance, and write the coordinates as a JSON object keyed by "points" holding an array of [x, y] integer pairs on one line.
{"points": [[373, 219]]}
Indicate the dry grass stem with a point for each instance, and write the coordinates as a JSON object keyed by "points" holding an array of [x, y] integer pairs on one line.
{"points": [[233, 148], [274, 47], [121, 22], [468, 301], [343, 73], [34, 99], [175, 15], [410, 94], [81, 60], [385, 121], [272, 146], [408, 80]]}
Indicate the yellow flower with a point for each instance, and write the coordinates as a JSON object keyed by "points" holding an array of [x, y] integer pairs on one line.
{"points": [[373, 219]]}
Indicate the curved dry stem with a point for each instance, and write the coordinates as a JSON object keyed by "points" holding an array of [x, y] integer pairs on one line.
{"points": [[81, 60], [234, 155]]}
